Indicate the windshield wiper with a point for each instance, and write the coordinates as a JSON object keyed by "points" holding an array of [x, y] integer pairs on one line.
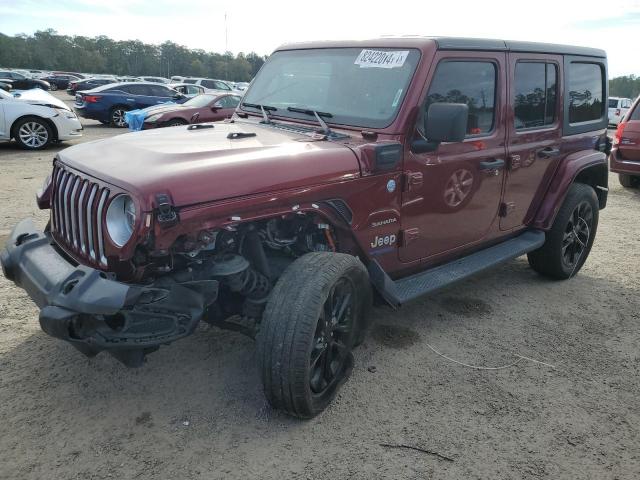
{"points": [[325, 128], [263, 108]]}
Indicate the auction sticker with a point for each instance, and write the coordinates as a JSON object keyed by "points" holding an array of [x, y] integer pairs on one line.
{"points": [[381, 58]]}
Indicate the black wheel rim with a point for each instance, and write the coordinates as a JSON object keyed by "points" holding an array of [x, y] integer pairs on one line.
{"points": [[332, 339], [575, 240]]}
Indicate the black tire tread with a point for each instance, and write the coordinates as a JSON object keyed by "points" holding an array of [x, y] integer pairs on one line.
{"points": [[628, 181], [547, 259], [288, 324]]}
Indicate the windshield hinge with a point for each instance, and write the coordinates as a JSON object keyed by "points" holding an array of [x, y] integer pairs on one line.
{"points": [[166, 213]]}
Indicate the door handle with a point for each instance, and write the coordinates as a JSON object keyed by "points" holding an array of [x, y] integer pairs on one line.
{"points": [[492, 165], [548, 152]]}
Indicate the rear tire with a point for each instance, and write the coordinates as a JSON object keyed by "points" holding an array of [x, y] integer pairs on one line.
{"points": [[629, 181], [116, 116], [53, 87], [314, 317], [569, 241]]}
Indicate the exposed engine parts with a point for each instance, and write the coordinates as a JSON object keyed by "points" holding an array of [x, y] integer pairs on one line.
{"points": [[245, 260]]}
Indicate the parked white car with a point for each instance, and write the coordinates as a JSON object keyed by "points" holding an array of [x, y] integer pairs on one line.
{"points": [[154, 79], [618, 108], [35, 119]]}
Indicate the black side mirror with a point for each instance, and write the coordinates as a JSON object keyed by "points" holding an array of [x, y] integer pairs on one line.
{"points": [[444, 122]]}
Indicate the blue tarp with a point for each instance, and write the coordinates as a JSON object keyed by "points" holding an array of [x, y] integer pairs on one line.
{"points": [[135, 119]]}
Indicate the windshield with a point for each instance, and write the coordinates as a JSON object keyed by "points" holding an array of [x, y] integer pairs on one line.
{"points": [[199, 101], [358, 87]]}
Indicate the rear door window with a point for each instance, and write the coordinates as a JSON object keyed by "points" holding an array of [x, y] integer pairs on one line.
{"points": [[469, 82], [586, 100], [160, 91], [136, 89], [535, 94]]}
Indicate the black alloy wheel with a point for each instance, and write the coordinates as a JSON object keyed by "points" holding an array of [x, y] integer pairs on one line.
{"points": [[333, 337], [576, 235]]}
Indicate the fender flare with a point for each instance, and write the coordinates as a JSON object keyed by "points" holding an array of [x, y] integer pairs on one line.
{"points": [[192, 221], [590, 165]]}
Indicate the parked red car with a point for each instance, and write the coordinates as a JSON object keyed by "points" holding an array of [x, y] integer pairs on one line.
{"points": [[199, 109], [625, 155]]}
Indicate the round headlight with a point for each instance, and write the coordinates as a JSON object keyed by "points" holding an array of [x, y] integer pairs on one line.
{"points": [[121, 218]]}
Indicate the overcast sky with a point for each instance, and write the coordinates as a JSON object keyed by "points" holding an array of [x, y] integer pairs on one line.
{"points": [[262, 25]]}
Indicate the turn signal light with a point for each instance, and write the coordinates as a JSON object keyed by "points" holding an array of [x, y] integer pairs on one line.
{"points": [[92, 98]]}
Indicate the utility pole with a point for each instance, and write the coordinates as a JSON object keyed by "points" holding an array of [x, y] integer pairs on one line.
{"points": [[226, 47]]}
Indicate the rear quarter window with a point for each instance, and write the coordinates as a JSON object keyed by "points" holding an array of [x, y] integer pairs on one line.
{"points": [[586, 99], [585, 92]]}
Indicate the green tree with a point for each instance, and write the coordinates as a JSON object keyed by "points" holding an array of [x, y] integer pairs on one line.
{"points": [[48, 50]]}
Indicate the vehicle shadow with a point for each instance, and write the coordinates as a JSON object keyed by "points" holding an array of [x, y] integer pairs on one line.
{"points": [[203, 393]]}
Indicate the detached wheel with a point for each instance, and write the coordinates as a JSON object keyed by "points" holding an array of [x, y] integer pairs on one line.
{"points": [[117, 117], [628, 181], [315, 315], [33, 133], [570, 239]]}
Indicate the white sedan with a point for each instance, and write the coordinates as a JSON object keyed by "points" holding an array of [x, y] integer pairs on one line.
{"points": [[35, 119]]}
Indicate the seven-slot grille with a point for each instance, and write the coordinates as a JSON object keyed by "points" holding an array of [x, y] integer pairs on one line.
{"points": [[78, 206]]}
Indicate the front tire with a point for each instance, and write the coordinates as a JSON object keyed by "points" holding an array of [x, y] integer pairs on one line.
{"points": [[570, 239], [628, 181], [53, 87], [314, 317], [33, 133]]}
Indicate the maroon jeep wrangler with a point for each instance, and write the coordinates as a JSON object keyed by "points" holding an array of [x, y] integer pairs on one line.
{"points": [[351, 172]]}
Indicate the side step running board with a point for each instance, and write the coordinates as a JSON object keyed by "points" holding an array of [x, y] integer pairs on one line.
{"points": [[409, 288]]}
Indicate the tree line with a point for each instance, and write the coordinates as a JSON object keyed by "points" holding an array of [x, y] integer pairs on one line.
{"points": [[47, 50], [627, 86]]}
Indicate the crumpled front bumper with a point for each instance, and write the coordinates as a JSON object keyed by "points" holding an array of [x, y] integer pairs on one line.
{"points": [[93, 311]]}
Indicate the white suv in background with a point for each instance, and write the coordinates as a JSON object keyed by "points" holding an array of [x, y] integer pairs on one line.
{"points": [[35, 119], [210, 84], [618, 108]]}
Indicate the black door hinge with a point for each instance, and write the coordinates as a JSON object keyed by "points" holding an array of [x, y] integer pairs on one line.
{"points": [[166, 213]]}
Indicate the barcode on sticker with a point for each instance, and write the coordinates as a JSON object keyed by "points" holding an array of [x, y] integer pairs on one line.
{"points": [[381, 58]]}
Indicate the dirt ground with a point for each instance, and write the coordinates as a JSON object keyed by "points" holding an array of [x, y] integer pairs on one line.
{"points": [[196, 409]]}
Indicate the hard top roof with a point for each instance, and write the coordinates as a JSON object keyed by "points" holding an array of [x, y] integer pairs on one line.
{"points": [[453, 43]]}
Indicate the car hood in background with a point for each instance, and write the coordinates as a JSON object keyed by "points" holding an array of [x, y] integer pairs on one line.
{"points": [[203, 164], [38, 96]]}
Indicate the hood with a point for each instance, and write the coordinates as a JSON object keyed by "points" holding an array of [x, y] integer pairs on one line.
{"points": [[203, 165], [38, 96]]}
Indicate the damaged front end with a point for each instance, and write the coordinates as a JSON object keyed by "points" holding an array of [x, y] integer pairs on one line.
{"points": [[94, 312]]}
